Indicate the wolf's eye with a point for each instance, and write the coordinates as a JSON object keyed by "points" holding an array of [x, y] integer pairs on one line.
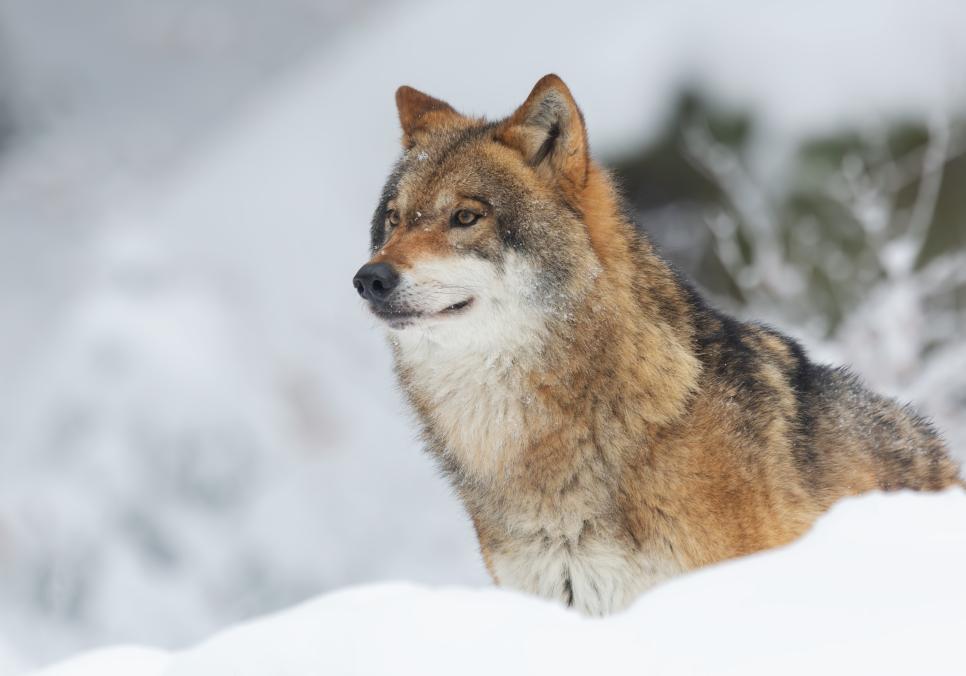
{"points": [[392, 217], [465, 218]]}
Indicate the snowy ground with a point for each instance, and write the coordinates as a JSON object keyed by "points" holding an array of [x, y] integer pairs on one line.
{"points": [[197, 420], [876, 588]]}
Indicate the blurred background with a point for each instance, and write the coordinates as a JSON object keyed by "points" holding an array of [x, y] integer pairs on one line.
{"points": [[197, 418]]}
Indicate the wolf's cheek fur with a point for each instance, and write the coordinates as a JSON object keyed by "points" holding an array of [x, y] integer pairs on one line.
{"points": [[429, 287], [504, 298]]}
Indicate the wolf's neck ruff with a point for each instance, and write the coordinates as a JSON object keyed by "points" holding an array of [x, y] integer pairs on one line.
{"points": [[604, 427]]}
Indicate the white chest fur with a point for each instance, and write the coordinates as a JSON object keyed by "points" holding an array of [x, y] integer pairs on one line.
{"points": [[595, 576], [475, 391], [477, 408]]}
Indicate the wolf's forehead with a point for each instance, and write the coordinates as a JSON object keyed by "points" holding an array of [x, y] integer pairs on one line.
{"points": [[415, 192], [433, 177]]}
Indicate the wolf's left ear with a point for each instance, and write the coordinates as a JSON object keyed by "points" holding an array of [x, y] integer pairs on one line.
{"points": [[419, 112], [549, 130]]}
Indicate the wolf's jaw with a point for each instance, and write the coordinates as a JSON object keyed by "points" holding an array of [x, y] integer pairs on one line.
{"points": [[456, 307], [403, 320]]}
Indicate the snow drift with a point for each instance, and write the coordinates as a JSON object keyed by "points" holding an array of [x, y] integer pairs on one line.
{"points": [[877, 587]]}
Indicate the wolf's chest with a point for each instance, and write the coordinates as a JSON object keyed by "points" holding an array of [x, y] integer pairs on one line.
{"points": [[477, 408], [594, 575]]}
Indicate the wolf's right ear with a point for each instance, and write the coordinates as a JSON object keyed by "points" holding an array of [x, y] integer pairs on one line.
{"points": [[549, 130], [420, 112]]}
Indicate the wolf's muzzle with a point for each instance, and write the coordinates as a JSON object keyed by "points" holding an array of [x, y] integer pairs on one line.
{"points": [[375, 281]]}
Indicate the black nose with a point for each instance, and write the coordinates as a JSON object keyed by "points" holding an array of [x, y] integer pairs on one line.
{"points": [[375, 281]]}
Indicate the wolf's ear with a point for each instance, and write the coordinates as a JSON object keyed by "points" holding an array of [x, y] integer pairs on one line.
{"points": [[419, 112], [549, 130]]}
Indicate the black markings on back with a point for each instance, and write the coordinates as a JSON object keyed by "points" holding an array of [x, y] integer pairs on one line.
{"points": [[802, 379]]}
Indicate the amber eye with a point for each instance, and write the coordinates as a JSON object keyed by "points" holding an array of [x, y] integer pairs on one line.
{"points": [[465, 218], [392, 217]]}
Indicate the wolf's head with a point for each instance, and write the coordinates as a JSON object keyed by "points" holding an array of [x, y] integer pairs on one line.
{"points": [[479, 236]]}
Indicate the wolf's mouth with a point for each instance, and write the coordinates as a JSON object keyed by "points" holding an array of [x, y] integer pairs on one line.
{"points": [[399, 318], [456, 307]]}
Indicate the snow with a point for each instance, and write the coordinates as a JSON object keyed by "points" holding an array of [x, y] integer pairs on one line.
{"points": [[197, 418], [10, 663], [125, 660], [876, 587]]}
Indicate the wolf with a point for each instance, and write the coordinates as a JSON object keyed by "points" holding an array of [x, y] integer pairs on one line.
{"points": [[605, 427]]}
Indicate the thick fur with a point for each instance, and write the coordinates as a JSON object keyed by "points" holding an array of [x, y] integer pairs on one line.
{"points": [[604, 426]]}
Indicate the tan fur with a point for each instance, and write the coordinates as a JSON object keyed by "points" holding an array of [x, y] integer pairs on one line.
{"points": [[622, 432]]}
